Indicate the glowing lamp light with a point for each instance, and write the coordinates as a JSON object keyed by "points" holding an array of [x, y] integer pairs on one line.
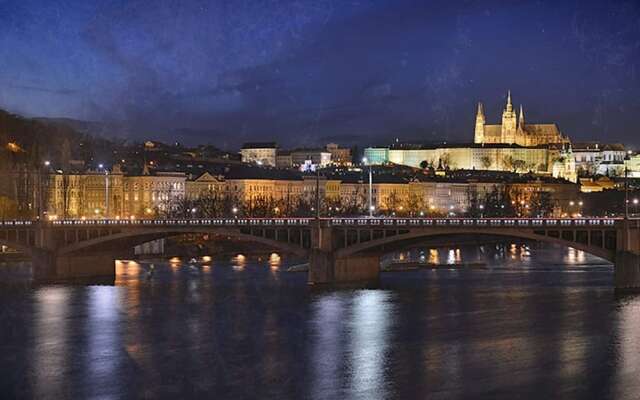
{"points": [[14, 147]]}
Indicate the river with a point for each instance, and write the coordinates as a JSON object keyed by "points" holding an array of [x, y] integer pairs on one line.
{"points": [[537, 322]]}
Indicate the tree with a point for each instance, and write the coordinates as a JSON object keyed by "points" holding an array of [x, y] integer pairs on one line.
{"points": [[514, 164], [497, 203], [541, 204], [393, 202], [474, 209], [424, 164], [415, 204], [445, 160], [486, 162]]}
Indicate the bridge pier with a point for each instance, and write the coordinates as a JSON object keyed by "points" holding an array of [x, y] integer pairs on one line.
{"points": [[326, 267], [627, 271], [47, 266]]}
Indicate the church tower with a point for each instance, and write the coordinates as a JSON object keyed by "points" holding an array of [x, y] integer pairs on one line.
{"points": [[480, 122], [508, 122], [521, 135]]}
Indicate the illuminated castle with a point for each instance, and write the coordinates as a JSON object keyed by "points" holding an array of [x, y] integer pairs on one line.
{"points": [[513, 130]]}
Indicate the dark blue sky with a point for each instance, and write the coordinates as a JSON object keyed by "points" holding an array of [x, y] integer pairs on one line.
{"points": [[302, 72]]}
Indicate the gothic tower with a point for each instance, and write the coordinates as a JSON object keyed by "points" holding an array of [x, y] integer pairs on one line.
{"points": [[508, 122], [480, 122], [521, 135]]}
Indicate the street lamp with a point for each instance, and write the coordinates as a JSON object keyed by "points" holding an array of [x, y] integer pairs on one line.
{"points": [[106, 189], [626, 187], [371, 208], [234, 210], [41, 208]]}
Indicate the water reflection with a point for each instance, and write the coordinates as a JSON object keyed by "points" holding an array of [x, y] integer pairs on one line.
{"points": [[372, 318], [213, 332], [628, 348], [575, 256], [434, 257], [496, 255], [239, 262], [102, 356], [327, 317], [275, 261], [53, 342]]}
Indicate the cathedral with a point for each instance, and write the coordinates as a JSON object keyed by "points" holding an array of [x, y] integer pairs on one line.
{"points": [[513, 130]]}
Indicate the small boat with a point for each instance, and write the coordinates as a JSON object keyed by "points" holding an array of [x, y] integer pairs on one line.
{"points": [[401, 266], [471, 265], [299, 268]]}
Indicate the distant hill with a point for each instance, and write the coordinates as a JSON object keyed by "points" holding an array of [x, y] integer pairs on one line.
{"points": [[31, 141], [107, 130], [34, 139]]}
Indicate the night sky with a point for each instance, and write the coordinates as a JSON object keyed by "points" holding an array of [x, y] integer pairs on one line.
{"points": [[307, 72]]}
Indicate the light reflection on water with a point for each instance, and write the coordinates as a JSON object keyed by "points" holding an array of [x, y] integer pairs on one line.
{"points": [[52, 342], [372, 317], [498, 255], [185, 330]]}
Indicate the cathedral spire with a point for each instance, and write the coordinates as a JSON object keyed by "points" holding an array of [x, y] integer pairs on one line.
{"points": [[509, 105], [480, 122], [480, 113], [521, 118]]}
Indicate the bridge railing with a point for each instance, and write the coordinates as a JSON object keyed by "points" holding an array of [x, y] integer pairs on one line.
{"points": [[475, 222], [16, 223], [356, 221], [275, 222]]}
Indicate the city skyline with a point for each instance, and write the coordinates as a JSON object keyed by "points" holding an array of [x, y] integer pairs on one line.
{"points": [[317, 72]]}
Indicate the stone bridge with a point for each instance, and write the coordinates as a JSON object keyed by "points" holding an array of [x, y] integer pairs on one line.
{"points": [[339, 249]]}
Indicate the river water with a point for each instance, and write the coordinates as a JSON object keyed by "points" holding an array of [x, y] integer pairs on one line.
{"points": [[535, 323]]}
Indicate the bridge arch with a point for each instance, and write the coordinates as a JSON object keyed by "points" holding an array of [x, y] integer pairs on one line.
{"points": [[412, 235], [134, 237]]}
